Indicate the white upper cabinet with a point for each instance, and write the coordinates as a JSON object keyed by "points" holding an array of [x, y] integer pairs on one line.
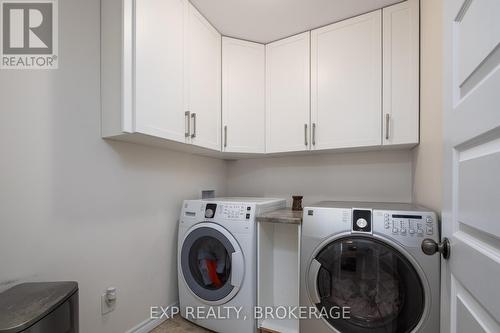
{"points": [[161, 74], [159, 81], [243, 96], [203, 80], [168, 78], [287, 94], [401, 73], [346, 83]]}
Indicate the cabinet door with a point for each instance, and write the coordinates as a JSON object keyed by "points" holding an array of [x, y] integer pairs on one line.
{"points": [[401, 73], [159, 74], [204, 81], [346, 70], [287, 94], [243, 96]]}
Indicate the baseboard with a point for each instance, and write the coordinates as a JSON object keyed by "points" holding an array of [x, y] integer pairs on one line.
{"points": [[149, 324]]}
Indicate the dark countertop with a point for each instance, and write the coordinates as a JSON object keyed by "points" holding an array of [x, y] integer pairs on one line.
{"points": [[283, 215]]}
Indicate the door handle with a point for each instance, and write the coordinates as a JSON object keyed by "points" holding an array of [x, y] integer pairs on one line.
{"points": [[193, 116], [225, 136], [238, 268], [188, 125], [311, 281], [305, 135], [387, 124], [430, 247], [314, 135]]}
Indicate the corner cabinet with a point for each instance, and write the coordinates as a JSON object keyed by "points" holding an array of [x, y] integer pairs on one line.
{"points": [[346, 83], [160, 77], [243, 96], [287, 94], [401, 74]]}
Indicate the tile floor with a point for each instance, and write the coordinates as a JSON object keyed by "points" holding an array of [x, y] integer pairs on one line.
{"points": [[178, 325]]}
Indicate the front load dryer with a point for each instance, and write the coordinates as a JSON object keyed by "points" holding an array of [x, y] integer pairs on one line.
{"points": [[367, 259], [217, 261]]}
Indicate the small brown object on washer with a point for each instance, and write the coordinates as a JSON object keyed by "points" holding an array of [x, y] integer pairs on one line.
{"points": [[297, 202]]}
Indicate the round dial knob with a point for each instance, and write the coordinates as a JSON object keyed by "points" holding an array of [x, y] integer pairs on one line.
{"points": [[209, 213], [361, 223]]}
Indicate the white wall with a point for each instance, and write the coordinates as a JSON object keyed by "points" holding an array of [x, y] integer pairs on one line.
{"points": [[75, 207], [363, 176], [428, 166]]}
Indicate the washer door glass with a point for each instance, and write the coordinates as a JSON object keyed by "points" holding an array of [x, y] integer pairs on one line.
{"points": [[380, 287], [206, 262]]}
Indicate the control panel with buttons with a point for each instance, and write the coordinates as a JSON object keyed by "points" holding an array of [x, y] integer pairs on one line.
{"points": [[409, 228], [236, 211]]}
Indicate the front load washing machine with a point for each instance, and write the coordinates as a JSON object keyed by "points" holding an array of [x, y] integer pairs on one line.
{"points": [[365, 261], [217, 261]]}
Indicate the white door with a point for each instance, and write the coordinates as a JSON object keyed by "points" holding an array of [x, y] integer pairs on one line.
{"points": [[287, 94], [159, 72], [203, 81], [400, 101], [346, 83], [243, 96], [471, 296]]}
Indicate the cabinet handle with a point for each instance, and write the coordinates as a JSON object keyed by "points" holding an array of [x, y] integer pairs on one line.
{"points": [[387, 124], [305, 135], [193, 116], [225, 136], [187, 115], [314, 135]]}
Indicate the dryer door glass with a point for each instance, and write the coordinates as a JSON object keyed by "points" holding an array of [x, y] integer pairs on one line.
{"points": [[378, 286], [206, 263]]}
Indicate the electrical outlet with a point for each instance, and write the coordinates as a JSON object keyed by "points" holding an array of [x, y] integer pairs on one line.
{"points": [[108, 301]]}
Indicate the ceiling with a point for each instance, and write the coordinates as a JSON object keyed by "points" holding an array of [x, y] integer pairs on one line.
{"points": [[265, 21]]}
